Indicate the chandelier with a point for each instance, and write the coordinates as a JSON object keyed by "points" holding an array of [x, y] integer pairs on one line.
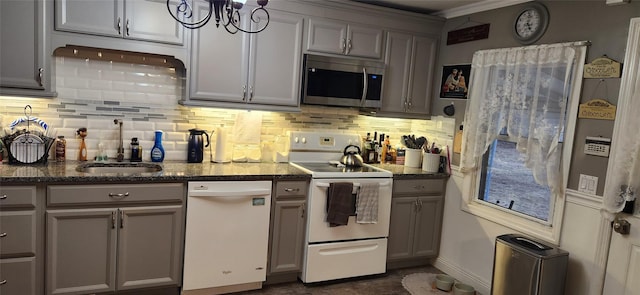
{"points": [[226, 12]]}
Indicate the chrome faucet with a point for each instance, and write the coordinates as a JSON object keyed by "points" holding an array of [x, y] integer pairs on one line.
{"points": [[120, 156]]}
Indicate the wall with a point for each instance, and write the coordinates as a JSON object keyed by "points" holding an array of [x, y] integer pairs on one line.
{"points": [[468, 241], [93, 93]]}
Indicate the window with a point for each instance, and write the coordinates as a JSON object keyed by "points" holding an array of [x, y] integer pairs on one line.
{"points": [[522, 106]]}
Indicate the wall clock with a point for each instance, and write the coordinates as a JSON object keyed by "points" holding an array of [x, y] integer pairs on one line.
{"points": [[531, 23]]}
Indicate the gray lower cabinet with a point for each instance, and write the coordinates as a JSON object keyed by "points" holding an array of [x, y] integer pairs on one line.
{"points": [[113, 248], [23, 45], [20, 234], [288, 227], [416, 220]]}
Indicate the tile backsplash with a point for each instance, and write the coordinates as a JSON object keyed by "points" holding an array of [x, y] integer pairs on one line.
{"points": [[93, 93]]}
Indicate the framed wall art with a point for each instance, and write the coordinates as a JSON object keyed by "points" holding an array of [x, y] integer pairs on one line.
{"points": [[455, 81]]}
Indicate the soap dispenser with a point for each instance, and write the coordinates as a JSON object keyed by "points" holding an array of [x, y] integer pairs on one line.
{"points": [[157, 152]]}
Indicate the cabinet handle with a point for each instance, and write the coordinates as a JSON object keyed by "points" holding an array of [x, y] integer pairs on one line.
{"points": [[113, 219], [419, 205], [40, 76], [303, 211], [250, 93], [343, 44], [127, 27], [291, 189], [348, 45], [2, 235], [244, 92], [3, 197], [409, 103], [121, 219], [118, 196], [3, 282], [119, 26]]}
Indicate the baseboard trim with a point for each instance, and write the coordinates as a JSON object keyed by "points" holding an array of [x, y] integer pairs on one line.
{"points": [[482, 287]]}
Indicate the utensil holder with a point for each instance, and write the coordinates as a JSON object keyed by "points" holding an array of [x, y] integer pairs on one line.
{"points": [[430, 162], [413, 158]]}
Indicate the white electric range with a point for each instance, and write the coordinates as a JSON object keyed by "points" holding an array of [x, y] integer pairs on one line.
{"points": [[352, 250]]}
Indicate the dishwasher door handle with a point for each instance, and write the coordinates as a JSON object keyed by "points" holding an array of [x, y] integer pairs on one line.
{"points": [[230, 193]]}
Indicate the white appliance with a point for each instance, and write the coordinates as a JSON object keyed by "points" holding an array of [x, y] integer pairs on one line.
{"points": [[226, 236], [343, 251]]}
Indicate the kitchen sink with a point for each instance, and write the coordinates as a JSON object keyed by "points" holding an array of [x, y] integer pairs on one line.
{"points": [[118, 168]]}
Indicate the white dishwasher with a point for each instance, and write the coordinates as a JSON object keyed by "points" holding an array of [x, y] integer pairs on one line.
{"points": [[226, 236]]}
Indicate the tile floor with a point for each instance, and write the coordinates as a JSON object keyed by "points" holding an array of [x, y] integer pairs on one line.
{"points": [[389, 283]]}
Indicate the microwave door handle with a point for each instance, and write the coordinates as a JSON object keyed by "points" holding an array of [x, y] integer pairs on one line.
{"points": [[364, 87]]}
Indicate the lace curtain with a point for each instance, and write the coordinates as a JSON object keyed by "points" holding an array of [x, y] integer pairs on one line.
{"points": [[524, 92]]}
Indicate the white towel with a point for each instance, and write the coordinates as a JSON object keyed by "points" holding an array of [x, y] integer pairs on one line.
{"points": [[367, 203]]}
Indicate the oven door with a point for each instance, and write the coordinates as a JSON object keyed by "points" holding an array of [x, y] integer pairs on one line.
{"points": [[318, 230]]}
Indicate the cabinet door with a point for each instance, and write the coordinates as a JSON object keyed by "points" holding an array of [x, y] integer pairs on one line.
{"points": [[149, 20], [81, 251], [100, 17], [17, 233], [401, 228], [396, 79], [22, 58], [274, 75], [420, 85], [428, 225], [364, 41], [288, 236], [18, 276], [219, 62], [326, 36], [149, 247]]}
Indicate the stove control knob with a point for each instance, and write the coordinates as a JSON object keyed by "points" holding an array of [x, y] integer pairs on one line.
{"points": [[297, 140], [304, 140]]}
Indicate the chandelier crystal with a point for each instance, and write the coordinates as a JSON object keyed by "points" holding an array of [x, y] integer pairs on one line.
{"points": [[225, 12]]}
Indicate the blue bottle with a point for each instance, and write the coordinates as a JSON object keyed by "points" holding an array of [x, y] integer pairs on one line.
{"points": [[157, 152]]}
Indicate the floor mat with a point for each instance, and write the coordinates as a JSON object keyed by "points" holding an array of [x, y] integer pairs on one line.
{"points": [[421, 283]]}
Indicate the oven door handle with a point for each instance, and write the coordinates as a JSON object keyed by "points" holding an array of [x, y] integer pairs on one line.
{"points": [[355, 184]]}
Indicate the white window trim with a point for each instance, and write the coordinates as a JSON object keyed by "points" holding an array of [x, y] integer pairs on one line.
{"points": [[515, 220]]}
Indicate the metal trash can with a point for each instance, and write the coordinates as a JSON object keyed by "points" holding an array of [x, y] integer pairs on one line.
{"points": [[525, 266]]}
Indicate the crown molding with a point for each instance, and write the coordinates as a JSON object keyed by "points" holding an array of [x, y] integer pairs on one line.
{"points": [[477, 7]]}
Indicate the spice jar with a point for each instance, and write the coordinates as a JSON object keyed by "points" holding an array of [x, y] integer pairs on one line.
{"points": [[61, 147]]}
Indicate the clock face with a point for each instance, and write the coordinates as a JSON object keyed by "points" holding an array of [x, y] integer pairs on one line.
{"points": [[528, 23], [531, 23]]}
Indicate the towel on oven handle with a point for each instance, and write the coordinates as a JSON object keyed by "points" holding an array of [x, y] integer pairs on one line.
{"points": [[340, 203], [367, 203]]}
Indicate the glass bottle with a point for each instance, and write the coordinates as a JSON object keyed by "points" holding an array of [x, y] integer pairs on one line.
{"points": [[157, 152], [136, 150], [61, 145]]}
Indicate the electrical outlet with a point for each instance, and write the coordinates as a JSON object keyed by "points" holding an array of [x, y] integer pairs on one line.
{"points": [[588, 184]]}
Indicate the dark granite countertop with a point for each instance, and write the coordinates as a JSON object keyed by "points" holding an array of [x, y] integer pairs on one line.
{"points": [[177, 171]]}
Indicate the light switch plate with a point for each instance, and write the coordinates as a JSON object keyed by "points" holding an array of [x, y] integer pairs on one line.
{"points": [[588, 184]]}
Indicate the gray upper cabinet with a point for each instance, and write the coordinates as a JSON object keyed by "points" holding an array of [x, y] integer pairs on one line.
{"points": [[330, 36], [25, 66], [146, 20], [410, 64], [247, 70]]}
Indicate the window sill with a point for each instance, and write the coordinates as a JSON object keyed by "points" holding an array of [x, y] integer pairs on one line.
{"points": [[507, 219]]}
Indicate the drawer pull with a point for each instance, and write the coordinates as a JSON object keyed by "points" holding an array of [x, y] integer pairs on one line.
{"points": [[3, 282], [3, 197], [2, 235], [291, 190], [118, 196]]}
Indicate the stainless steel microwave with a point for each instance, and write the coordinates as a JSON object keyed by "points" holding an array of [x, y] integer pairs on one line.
{"points": [[335, 81]]}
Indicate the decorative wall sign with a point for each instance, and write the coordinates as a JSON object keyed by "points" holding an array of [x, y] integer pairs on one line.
{"points": [[468, 34], [455, 81], [597, 109], [602, 67]]}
